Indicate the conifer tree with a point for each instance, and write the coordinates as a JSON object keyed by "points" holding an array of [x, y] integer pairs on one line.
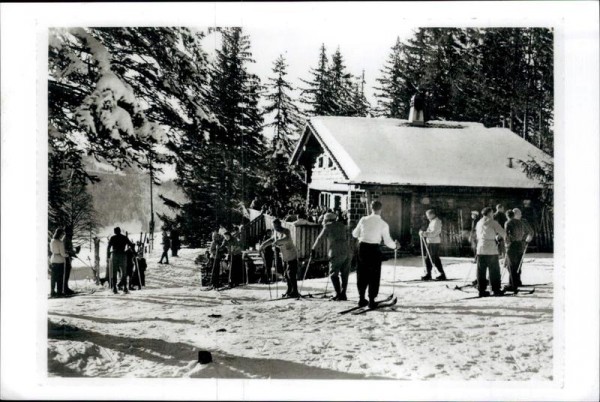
{"points": [[341, 86], [360, 104], [391, 93], [282, 181], [317, 96], [287, 119], [221, 170]]}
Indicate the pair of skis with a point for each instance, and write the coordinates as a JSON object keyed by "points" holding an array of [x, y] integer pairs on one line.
{"points": [[514, 293], [387, 302]]}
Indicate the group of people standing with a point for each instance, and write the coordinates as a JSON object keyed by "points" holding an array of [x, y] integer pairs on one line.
{"points": [[500, 234], [496, 234], [122, 259], [225, 245], [170, 242], [62, 252]]}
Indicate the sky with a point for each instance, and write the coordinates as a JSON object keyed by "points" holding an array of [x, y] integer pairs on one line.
{"points": [[362, 49]]}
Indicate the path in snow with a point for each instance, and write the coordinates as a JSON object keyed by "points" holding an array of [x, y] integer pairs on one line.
{"points": [[432, 333]]}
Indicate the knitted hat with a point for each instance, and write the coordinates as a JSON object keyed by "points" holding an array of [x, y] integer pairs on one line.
{"points": [[329, 217]]}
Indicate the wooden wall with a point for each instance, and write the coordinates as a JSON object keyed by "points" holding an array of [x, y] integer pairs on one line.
{"points": [[454, 206]]}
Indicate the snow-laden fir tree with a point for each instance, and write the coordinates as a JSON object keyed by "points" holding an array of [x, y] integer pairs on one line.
{"points": [[117, 97], [220, 168]]}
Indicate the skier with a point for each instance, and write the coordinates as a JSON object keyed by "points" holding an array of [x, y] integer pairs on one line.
{"points": [[57, 263], [175, 243], [118, 243], [138, 277], [236, 265], [473, 233], [283, 240], [370, 231], [338, 253], [131, 254], [432, 236], [488, 233], [215, 253], [500, 217], [518, 233], [166, 242]]}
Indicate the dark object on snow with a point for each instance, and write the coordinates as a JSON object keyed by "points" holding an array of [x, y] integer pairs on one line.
{"points": [[215, 316], [204, 357], [221, 330]]}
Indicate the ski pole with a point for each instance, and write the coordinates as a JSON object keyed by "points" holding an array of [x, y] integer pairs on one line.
{"points": [[395, 261], [137, 268], [466, 280], [422, 253], [276, 264], [269, 276], [64, 276], [429, 255], [110, 272], [305, 272], [215, 257], [523, 257]]}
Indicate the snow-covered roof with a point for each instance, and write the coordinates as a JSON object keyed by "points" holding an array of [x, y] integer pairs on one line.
{"points": [[390, 151]]}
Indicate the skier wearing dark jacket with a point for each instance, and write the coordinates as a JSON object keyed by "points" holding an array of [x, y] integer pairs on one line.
{"points": [[166, 242], [518, 233], [338, 253], [500, 217], [118, 243]]}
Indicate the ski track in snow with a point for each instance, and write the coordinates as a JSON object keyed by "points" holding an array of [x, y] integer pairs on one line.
{"points": [[430, 334]]}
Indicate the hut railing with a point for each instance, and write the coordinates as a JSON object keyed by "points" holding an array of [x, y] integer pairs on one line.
{"points": [[254, 230], [303, 235]]}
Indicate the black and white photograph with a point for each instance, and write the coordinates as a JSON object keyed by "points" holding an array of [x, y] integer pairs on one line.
{"points": [[267, 197]]}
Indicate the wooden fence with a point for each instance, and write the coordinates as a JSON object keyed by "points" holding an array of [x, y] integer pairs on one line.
{"points": [[303, 235]]}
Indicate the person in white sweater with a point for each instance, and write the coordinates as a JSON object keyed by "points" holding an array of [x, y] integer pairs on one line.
{"points": [[57, 263], [432, 236]]}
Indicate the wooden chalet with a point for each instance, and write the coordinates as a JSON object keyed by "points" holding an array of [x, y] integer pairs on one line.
{"points": [[453, 167]]}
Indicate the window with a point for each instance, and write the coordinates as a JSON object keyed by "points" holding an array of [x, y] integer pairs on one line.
{"points": [[320, 162], [329, 162]]}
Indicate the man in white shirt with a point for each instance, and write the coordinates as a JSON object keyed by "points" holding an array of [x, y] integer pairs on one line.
{"points": [[432, 237], [370, 231]]}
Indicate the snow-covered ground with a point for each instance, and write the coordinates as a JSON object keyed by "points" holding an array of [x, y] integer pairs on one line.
{"points": [[432, 333]]}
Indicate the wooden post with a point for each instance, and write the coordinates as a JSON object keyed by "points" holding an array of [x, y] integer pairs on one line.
{"points": [[97, 260]]}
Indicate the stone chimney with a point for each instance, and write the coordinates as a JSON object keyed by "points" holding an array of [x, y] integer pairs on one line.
{"points": [[416, 117]]}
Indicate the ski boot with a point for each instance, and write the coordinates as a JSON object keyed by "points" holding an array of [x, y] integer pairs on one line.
{"points": [[426, 277], [442, 277]]}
